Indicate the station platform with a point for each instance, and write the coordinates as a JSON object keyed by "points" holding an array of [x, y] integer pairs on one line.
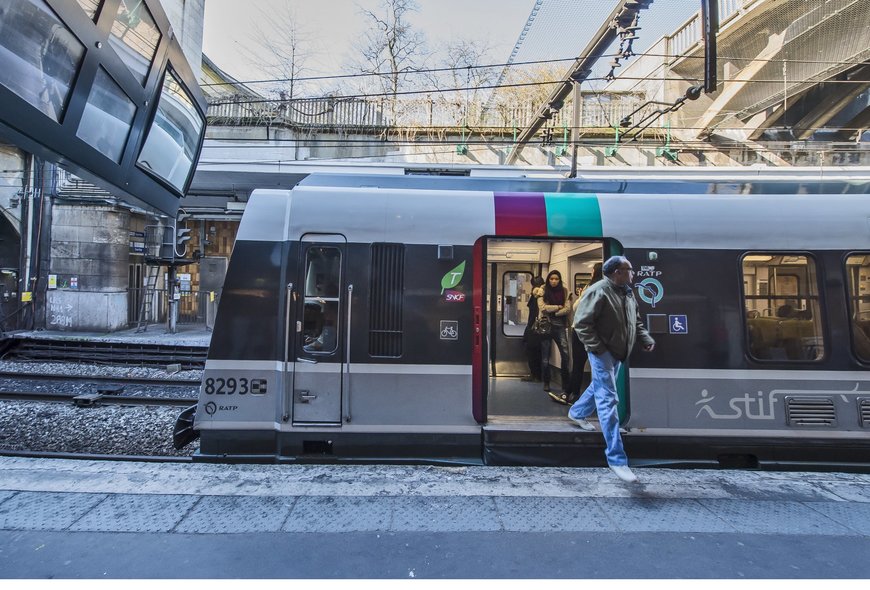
{"points": [[186, 335], [100, 519]]}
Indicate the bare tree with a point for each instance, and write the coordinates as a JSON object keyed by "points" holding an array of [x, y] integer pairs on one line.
{"points": [[523, 90], [390, 48], [462, 69], [283, 49]]}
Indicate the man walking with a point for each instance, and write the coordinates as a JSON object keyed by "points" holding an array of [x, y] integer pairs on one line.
{"points": [[607, 323]]}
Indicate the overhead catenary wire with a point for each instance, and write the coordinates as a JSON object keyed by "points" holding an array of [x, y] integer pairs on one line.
{"points": [[525, 63], [363, 96]]}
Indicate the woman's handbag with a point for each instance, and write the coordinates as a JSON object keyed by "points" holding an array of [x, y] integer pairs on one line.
{"points": [[543, 326]]}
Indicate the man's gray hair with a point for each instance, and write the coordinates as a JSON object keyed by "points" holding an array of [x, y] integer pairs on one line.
{"points": [[611, 265]]}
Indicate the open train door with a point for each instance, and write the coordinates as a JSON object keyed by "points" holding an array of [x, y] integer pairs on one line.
{"points": [[318, 361]]}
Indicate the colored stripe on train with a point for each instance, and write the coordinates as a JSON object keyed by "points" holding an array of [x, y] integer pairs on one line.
{"points": [[547, 214]]}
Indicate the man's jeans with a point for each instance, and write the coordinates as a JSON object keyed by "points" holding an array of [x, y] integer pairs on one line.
{"points": [[601, 395]]}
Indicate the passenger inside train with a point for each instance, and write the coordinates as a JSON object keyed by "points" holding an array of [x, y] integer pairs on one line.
{"points": [[516, 389]]}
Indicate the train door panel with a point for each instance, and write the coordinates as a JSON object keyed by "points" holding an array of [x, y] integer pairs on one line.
{"points": [[511, 288], [318, 356]]}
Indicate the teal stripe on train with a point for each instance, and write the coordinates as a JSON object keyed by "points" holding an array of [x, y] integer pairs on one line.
{"points": [[573, 214]]}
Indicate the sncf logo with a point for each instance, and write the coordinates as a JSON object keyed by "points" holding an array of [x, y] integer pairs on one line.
{"points": [[451, 295]]}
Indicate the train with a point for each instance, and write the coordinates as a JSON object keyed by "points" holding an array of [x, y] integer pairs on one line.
{"points": [[381, 318]]}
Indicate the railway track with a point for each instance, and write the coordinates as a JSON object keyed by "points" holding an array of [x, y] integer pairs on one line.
{"points": [[94, 456], [95, 399], [100, 379], [107, 353]]}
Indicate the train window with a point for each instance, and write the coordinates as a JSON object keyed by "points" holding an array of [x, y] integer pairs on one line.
{"points": [[321, 293], [39, 57], [135, 37], [783, 315], [385, 300], [516, 292], [858, 284]]}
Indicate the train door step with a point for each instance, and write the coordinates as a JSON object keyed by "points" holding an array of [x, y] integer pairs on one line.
{"points": [[517, 440]]}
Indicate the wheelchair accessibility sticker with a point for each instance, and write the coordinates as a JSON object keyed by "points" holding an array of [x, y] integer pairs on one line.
{"points": [[678, 324]]}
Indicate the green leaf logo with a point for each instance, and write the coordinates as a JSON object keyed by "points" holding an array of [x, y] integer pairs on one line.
{"points": [[453, 277]]}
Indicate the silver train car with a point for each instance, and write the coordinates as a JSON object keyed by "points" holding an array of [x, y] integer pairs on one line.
{"points": [[381, 318]]}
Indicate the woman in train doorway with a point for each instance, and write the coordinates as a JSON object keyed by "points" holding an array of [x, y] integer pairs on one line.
{"points": [[578, 351], [530, 339], [556, 303]]}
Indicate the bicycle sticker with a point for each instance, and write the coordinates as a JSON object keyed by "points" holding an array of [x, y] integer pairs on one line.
{"points": [[449, 330]]}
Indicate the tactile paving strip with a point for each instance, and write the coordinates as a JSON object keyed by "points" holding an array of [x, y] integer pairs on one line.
{"points": [[326, 514], [544, 514], [790, 518], [651, 514], [5, 495], [236, 514], [136, 513], [852, 515], [52, 511], [445, 514]]}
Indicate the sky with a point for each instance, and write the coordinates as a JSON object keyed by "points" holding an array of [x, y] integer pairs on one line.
{"points": [[229, 31]]}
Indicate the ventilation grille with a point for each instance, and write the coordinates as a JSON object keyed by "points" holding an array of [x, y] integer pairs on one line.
{"points": [[810, 411], [385, 312], [864, 411]]}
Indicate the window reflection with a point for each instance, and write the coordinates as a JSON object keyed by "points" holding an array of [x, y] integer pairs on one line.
{"points": [[90, 7], [516, 292], [135, 37], [320, 315], [174, 135], [39, 57], [858, 277], [107, 118], [783, 316]]}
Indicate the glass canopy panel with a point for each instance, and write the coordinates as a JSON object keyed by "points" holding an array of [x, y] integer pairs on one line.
{"points": [[39, 56], [135, 37], [90, 7], [107, 118], [174, 135]]}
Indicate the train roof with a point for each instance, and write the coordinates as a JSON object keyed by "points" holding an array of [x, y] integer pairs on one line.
{"points": [[642, 215], [693, 182]]}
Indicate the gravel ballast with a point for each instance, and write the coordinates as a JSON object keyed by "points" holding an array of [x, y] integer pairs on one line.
{"points": [[111, 430]]}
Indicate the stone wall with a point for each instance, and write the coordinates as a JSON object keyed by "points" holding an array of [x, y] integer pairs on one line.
{"points": [[90, 255], [186, 18]]}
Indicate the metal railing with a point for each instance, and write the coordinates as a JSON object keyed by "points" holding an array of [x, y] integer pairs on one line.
{"points": [[315, 113], [687, 36], [194, 307], [597, 111]]}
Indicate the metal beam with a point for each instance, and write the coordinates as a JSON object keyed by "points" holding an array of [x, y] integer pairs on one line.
{"points": [[622, 15], [840, 96], [741, 81]]}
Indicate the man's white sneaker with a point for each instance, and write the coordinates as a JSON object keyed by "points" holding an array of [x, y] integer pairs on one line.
{"points": [[624, 473], [581, 423]]}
